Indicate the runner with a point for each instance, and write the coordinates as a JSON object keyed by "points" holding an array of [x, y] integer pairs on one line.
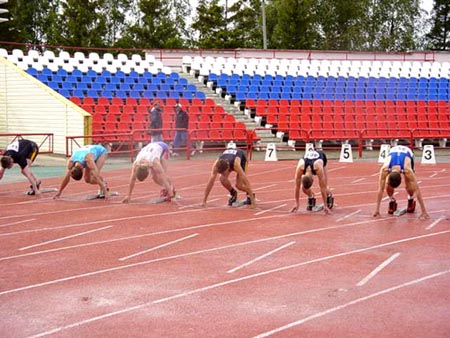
{"points": [[152, 159], [231, 160], [23, 152], [88, 160], [400, 160], [313, 163]]}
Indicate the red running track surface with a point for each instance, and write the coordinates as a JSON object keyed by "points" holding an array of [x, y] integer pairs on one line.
{"points": [[73, 267]]}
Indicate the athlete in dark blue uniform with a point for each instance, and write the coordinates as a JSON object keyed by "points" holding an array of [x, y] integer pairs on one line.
{"points": [[231, 160], [400, 160], [23, 152], [313, 163]]}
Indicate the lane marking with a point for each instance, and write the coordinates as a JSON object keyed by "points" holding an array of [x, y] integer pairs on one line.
{"points": [[225, 283], [358, 180], [260, 257], [349, 215], [435, 222], [111, 220], [63, 238], [387, 197], [265, 187], [337, 168], [197, 204], [353, 302], [271, 209], [155, 234], [18, 222], [378, 269], [157, 247], [267, 272]]}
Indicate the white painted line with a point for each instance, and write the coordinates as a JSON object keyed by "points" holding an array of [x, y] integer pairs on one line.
{"points": [[387, 197], [376, 174], [63, 238], [353, 302], [263, 273], [338, 168], [435, 222], [18, 222], [271, 209], [260, 257], [358, 180], [378, 269], [349, 215], [196, 204], [157, 247], [265, 187]]}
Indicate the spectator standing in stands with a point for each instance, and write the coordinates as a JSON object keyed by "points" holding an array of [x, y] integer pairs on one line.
{"points": [[23, 152], [182, 124], [156, 122]]}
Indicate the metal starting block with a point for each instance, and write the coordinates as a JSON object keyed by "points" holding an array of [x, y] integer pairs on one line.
{"points": [[317, 208], [400, 212]]}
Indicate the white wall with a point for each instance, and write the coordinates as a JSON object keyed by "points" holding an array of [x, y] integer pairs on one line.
{"points": [[28, 106]]}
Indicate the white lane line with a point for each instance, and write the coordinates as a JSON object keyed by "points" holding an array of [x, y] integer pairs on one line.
{"points": [[196, 204], [214, 286], [162, 233], [338, 168], [260, 257], [378, 269], [265, 187], [271, 209], [18, 222], [349, 215], [156, 247], [63, 238], [353, 302], [358, 180], [387, 197], [435, 222], [263, 273], [110, 220]]}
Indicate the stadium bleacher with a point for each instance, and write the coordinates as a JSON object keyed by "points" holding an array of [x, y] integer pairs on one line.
{"points": [[314, 99]]}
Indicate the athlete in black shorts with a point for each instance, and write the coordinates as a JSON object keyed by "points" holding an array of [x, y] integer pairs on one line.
{"points": [[23, 152], [314, 163], [231, 160]]}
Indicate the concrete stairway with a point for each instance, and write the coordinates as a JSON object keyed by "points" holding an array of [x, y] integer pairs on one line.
{"points": [[265, 136]]}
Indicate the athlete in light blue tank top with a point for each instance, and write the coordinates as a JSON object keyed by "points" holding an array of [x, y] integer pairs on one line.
{"points": [[80, 154], [87, 161]]}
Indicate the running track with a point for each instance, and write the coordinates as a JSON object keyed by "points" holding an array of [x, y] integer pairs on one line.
{"points": [[77, 268]]}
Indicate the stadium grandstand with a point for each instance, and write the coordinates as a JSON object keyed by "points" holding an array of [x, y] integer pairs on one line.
{"points": [[291, 99]]}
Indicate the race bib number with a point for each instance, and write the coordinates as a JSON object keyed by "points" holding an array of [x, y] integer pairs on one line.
{"points": [[14, 146], [312, 155]]}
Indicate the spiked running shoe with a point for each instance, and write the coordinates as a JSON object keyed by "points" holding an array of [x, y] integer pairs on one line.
{"points": [[311, 203], [411, 205], [392, 207], [233, 197]]}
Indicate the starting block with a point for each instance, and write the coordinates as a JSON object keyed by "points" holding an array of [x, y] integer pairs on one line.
{"points": [[44, 190], [400, 212], [163, 199], [238, 204], [317, 208], [97, 196]]}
